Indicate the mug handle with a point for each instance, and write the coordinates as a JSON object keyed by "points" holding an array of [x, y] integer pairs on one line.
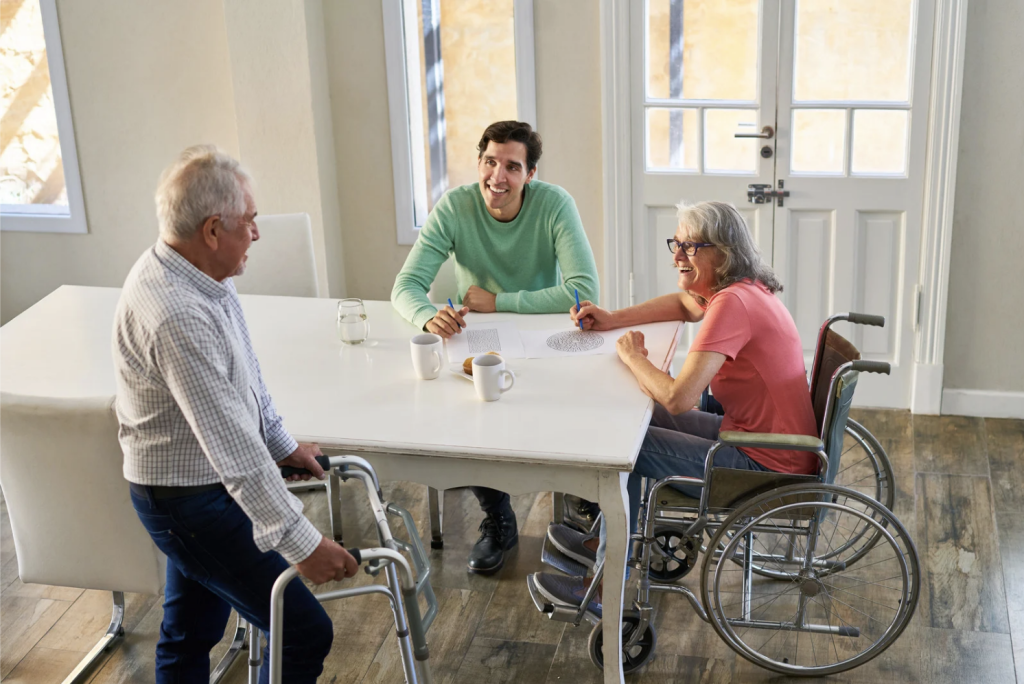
{"points": [[437, 368], [511, 380]]}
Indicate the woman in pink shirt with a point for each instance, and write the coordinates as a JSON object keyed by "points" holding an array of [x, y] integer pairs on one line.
{"points": [[747, 349]]}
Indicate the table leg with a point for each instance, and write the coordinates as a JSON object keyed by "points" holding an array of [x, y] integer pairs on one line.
{"points": [[614, 503]]}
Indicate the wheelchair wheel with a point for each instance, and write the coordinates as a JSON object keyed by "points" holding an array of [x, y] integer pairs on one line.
{"points": [[672, 554], [633, 658], [818, 614]]}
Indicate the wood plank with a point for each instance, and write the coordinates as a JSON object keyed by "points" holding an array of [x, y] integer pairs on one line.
{"points": [[894, 431], [950, 444], [1011, 550], [44, 665], [571, 662], [923, 655], [1005, 442], [23, 622], [501, 662], [88, 618], [962, 574]]}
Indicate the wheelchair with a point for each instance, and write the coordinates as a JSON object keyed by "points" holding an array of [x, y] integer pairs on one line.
{"points": [[405, 582], [800, 575]]}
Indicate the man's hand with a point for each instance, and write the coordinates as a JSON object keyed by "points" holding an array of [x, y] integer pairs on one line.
{"points": [[479, 299], [593, 316], [328, 562], [631, 346], [447, 322], [303, 457]]}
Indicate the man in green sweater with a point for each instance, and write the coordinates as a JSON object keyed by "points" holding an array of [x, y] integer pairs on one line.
{"points": [[518, 245]]}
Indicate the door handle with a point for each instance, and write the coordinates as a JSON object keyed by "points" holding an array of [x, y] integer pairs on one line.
{"points": [[767, 133]]}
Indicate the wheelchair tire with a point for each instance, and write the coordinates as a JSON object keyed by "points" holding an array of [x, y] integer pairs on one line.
{"points": [[637, 656], [672, 554]]}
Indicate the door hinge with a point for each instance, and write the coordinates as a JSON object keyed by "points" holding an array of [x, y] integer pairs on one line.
{"points": [[918, 307], [631, 298]]}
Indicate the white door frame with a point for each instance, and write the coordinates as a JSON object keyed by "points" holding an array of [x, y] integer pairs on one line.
{"points": [[940, 182]]}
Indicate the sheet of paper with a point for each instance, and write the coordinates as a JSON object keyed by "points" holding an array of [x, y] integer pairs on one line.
{"points": [[544, 344], [480, 338]]}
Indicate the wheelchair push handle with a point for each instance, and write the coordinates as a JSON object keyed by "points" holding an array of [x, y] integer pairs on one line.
{"points": [[866, 319], [871, 366], [324, 461]]}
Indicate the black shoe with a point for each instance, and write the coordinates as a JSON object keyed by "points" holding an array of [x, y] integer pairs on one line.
{"points": [[498, 534]]}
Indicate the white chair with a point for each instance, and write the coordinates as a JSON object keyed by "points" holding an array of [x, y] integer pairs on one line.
{"points": [[282, 261], [71, 513]]}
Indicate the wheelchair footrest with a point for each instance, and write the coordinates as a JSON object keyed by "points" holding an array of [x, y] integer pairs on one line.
{"points": [[554, 558], [556, 611]]}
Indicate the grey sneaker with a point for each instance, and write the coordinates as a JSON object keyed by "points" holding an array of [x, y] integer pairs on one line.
{"points": [[570, 542], [566, 591]]}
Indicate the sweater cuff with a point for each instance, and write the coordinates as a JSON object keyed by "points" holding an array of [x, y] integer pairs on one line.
{"points": [[421, 317], [299, 542], [507, 301]]}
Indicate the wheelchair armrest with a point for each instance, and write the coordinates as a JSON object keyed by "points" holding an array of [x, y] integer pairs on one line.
{"points": [[769, 440]]}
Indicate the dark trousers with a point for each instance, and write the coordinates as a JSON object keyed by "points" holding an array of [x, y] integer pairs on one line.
{"points": [[491, 500], [213, 565]]}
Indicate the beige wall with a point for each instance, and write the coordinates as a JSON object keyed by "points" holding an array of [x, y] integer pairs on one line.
{"points": [[145, 81], [568, 117], [984, 330]]}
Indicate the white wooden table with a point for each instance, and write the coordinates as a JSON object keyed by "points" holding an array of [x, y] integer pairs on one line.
{"points": [[570, 425]]}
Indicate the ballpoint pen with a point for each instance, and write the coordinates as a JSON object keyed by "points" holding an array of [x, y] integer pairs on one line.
{"points": [[578, 320], [453, 306]]}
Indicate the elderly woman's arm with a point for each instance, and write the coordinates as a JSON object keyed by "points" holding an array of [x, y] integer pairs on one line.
{"points": [[676, 395]]}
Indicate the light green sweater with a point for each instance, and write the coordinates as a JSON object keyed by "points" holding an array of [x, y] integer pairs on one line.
{"points": [[532, 263]]}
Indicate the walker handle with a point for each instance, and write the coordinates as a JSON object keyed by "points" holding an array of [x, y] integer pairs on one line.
{"points": [[324, 461]]}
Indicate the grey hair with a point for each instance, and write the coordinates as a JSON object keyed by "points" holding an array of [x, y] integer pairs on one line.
{"points": [[204, 181], [723, 226]]}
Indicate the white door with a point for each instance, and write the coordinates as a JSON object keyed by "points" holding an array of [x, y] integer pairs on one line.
{"points": [[843, 84]]}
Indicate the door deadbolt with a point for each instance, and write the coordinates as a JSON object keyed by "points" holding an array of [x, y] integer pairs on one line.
{"points": [[762, 193]]}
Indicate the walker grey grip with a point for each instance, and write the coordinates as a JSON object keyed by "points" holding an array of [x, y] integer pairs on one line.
{"points": [[872, 366], [324, 461], [866, 319], [355, 553]]}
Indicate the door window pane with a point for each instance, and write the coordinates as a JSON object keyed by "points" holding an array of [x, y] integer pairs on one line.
{"points": [[852, 50], [702, 49], [879, 141], [672, 139], [723, 151], [819, 141], [31, 166]]}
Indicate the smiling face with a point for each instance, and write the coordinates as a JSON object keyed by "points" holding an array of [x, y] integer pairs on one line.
{"points": [[503, 176], [697, 272], [234, 243]]}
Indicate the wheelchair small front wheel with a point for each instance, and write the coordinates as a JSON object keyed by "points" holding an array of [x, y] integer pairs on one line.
{"points": [[632, 658], [673, 554]]}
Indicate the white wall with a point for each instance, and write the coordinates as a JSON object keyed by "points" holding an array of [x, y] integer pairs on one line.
{"points": [[985, 323], [145, 80]]}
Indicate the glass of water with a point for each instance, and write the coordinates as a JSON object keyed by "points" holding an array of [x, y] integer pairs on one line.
{"points": [[353, 328]]}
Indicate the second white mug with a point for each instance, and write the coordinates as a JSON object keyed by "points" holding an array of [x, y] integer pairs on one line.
{"points": [[488, 373], [427, 353]]}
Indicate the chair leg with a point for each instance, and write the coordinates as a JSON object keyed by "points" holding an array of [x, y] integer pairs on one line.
{"points": [[558, 507], [114, 631], [236, 647], [436, 517], [334, 505], [255, 656]]}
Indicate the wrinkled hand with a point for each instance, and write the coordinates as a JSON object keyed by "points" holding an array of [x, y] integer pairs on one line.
{"points": [[479, 299], [631, 345], [328, 562], [303, 457], [593, 316], [447, 322]]}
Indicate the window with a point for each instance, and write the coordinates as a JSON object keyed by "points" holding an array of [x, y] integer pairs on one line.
{"points": [[454, 67], [40, 186]]}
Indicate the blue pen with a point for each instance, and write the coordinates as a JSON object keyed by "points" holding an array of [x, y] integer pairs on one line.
{"points": [[453, 306], [580, 321]]}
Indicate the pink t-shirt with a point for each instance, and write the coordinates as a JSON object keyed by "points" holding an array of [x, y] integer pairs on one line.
{"points": [[761, 385]]}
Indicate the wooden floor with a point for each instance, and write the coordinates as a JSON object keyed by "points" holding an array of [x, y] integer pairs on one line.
{"points": [[960, 493]]}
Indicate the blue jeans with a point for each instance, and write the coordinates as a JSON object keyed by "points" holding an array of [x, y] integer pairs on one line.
{"points": [[677, 445], [213, 565]]}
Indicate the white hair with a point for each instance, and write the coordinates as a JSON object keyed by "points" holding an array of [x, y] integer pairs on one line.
{"points": [[721, 224], [204, 181]]}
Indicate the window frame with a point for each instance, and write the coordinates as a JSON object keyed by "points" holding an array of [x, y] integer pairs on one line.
{"points": [[406, 159], [43, 218]]}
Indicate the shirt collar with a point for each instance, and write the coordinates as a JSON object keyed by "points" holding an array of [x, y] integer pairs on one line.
{"points": [[181, 267]]}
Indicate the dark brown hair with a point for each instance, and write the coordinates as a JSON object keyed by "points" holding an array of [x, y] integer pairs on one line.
{"points": [[518, 131]]}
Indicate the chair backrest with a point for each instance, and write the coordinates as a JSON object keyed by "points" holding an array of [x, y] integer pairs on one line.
{"points": [[835, 422], [835, 351], [61, 469], [444, 285], [281, 262]]}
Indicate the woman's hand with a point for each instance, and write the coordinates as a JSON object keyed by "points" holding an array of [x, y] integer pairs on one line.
{"points": [[631, 346], [592, 316]]}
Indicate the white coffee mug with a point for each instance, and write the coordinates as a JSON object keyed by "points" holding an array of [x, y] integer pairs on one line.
{"points": [[488, 373], [427, 350]]}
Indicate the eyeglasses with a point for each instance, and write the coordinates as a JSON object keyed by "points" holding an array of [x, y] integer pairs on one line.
{"points": [[689, 248]]}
